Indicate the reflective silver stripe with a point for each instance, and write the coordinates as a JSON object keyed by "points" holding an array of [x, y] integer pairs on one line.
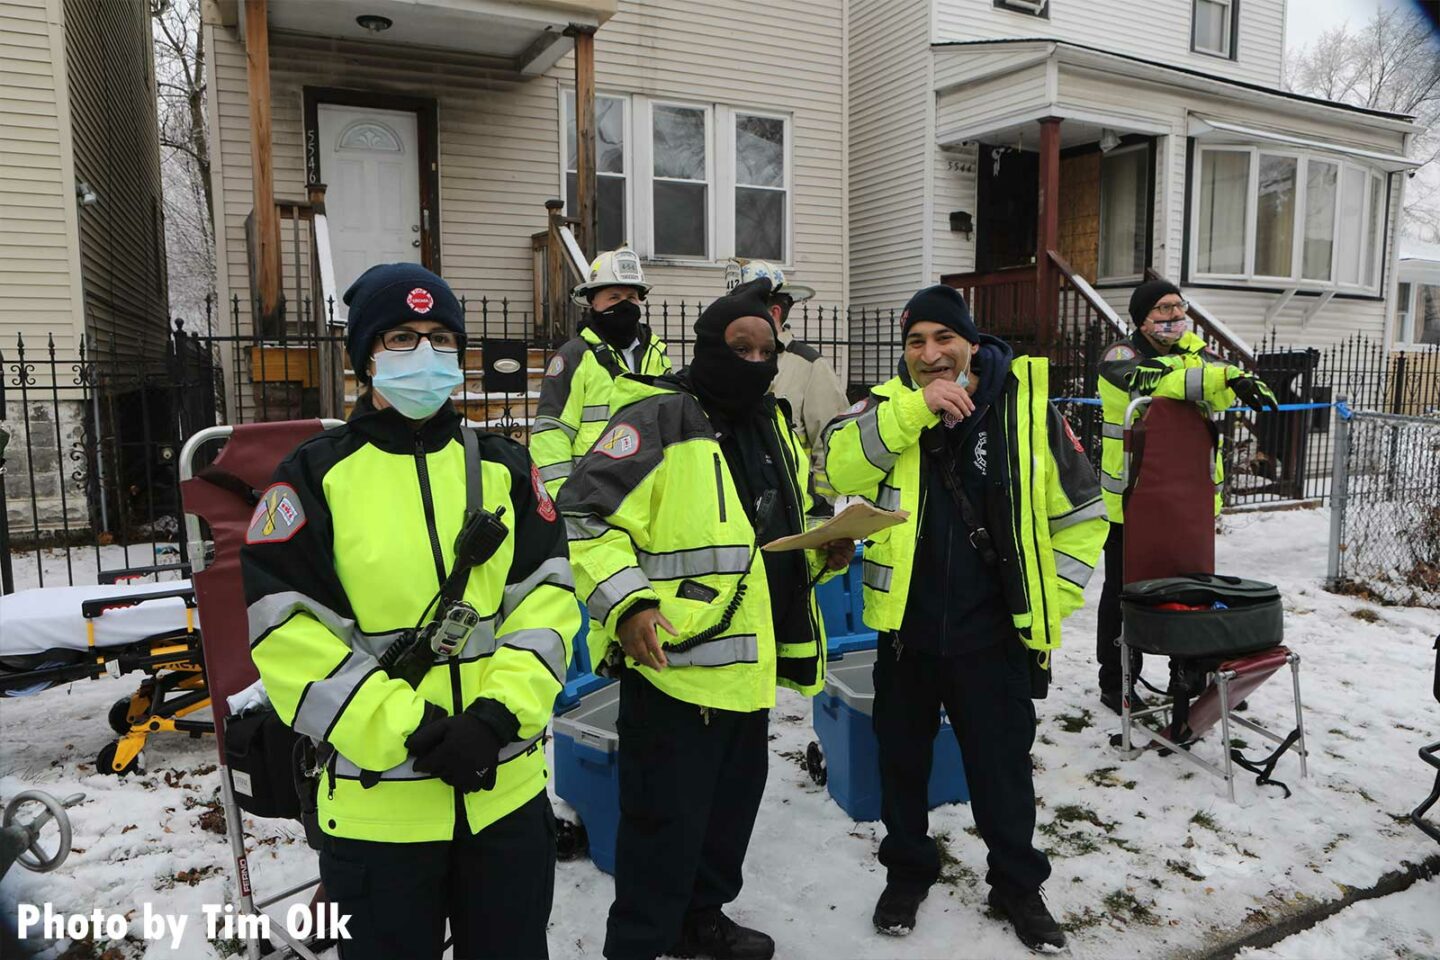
{"points": [[557, 471], [1093, 510], [550, 423], [889, 498], [545, 643], [375, 644], [1076, 571], [1111, 484], [481, 643], [1195, 384], [876, 576], [720, 652], [874, 448], [612, 590], [322, 700], [599, 413], [586, 527], [1112, 430], [694, 563], [407, 771], [1219, 485], [555, 571], [270, 611]]}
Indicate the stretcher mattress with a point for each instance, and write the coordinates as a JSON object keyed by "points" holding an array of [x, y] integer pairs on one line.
{"points": [[49, 619]]}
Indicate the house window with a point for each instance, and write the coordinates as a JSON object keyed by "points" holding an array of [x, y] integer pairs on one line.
{"points": [[1124, 220], [611, 166], [1038, 8], [761, 187], [680, 199], [1419, 313], [1224, 200], [1213, 29], [1286, 218]]}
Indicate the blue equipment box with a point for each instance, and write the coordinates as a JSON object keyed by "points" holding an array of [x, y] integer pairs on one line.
{"points": [[587, 773], [842, 719]]}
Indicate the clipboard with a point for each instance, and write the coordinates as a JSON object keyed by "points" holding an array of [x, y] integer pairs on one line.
{"points": [[855, 522]]}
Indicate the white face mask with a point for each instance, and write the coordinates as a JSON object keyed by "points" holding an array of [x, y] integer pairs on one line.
{"points": [[417, 382]]}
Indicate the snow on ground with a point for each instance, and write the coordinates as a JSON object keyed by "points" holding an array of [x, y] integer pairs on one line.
{"points": [[1150, 858]]}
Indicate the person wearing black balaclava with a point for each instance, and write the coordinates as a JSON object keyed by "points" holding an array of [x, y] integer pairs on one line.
{"points": [[612, 340], [666, 515]]}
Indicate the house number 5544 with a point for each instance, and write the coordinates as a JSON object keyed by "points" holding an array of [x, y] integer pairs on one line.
{"points": [[959, 166]]}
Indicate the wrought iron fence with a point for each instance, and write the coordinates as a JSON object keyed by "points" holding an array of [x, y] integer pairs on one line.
{"points": [[92, 482], [1385, 513]]}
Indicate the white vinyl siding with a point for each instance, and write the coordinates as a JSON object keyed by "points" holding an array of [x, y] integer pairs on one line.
{"points": [[1158, 33], [40, 292], [501, 153]]}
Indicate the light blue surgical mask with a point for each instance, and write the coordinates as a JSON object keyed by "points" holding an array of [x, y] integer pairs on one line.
{"points": [[417, 382]]}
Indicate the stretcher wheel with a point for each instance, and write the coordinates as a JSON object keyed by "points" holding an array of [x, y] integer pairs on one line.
{"points": [[105, 761], [571, 840], [120, 715], [815, 764]]}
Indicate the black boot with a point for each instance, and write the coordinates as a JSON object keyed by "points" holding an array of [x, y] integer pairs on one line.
{"points": [[1028, 915], [895, 910], [1111, 700], [709, 933]]}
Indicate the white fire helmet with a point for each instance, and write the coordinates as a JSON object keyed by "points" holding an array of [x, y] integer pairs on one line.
{"points": [[613, 268], [740, 270]]}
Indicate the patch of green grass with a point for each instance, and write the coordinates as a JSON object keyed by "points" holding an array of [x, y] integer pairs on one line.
{"points": [[1075, 922], [952, 871], [1123, 905], [1045, 739], [1076, 722], [1105, 777], [1238, 743], [1073, 840], [1203, 819], [1366, 614]]}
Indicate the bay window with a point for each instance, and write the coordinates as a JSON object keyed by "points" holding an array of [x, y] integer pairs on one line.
{"points": [[1282, 217]]}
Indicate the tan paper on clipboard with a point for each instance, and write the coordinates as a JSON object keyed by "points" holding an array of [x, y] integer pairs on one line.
{"points": [[855, 522]]}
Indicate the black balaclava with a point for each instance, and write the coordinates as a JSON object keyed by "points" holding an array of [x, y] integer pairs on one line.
{"points": [[722, 378], [619, 325]]}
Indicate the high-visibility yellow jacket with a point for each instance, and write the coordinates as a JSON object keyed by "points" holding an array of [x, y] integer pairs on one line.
{"points": [[346, 550], [1049, 538], [1132, 368], [655, 516], [575, 398]]}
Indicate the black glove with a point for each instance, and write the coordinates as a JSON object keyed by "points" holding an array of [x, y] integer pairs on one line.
{"points": [[462, 751], [1253, 392]]}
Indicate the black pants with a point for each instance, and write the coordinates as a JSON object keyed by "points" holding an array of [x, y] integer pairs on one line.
{"points": [[689, 792], [987, 697], [1107, 630], [495, 887]]}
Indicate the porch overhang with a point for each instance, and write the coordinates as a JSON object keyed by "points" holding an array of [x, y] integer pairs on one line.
{"points": [[1220, 131], [526, 37]]}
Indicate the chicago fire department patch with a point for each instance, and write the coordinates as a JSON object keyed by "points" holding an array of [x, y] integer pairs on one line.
{"points": [[1120, 352], [543, 504], [278, 516], [420, 300], [619, 442], [856, 407], [556, 367]]}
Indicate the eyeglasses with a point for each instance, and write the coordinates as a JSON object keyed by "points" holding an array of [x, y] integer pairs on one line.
{"points": [[1166, 309], [402, 340]]}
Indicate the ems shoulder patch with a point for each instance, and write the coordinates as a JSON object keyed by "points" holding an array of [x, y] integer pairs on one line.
{"points": [[278, 516], [856, 407], [1119, 352], [619, 442], [556, 367], [543, 504]]}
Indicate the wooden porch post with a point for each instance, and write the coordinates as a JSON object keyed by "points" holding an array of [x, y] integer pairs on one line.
{"points": [[587, 197], [267, 221], [1047, 233]]}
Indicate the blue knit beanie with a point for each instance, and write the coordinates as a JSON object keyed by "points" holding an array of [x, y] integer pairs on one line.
{"points": [[388, 295]]}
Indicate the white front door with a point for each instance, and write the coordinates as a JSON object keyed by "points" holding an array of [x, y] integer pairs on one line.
{"points": [[370, 162]]}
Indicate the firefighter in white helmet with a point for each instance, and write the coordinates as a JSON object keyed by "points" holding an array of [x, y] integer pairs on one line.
{"points": [[575, 394], [805, 381]]}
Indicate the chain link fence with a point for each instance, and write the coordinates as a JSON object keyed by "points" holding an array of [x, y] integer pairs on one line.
{"points": [[1385, 510]]}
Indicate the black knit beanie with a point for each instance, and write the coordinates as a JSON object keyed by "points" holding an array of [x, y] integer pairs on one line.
{"points": [[746, 300], [388, 295], [1143, 300], [940, 304]]}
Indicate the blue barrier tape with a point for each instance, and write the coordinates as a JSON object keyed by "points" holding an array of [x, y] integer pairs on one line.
{"points": [[1283, 408]]}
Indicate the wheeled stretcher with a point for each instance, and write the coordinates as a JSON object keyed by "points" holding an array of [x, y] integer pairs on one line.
{"points": [[57, 635], [1228, 630]]}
